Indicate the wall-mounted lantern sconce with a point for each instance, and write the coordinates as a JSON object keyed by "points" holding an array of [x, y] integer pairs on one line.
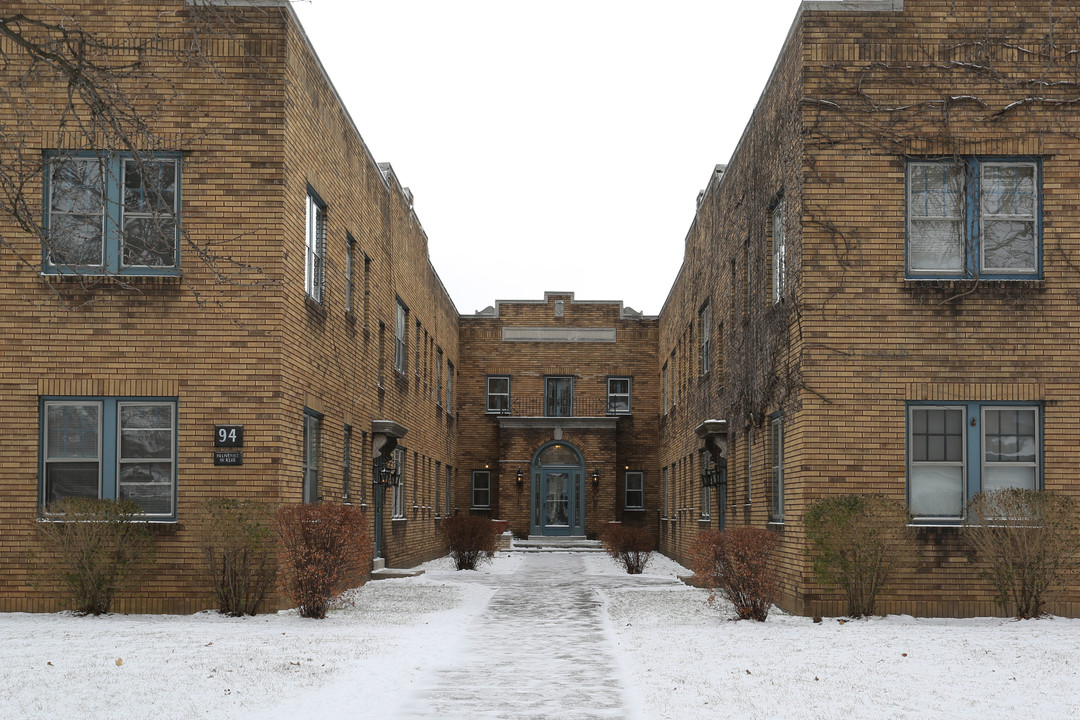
{"points": [[520, 477], [595, 478]]}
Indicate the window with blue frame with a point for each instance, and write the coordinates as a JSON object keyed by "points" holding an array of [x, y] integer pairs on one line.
{"points": [[112, 448], [974, 217], [112, 214], [957, 450]]}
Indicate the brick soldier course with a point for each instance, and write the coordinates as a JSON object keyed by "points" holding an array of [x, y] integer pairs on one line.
{"points": [[885, 263]]}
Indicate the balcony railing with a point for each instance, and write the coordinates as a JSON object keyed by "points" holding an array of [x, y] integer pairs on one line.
{"points": [[539, 406]]}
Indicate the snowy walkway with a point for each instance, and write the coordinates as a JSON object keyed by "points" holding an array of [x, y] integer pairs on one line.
{"points": [[542, 648]]}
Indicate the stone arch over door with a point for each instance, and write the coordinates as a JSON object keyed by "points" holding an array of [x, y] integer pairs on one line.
{"points": [[557, 492]]}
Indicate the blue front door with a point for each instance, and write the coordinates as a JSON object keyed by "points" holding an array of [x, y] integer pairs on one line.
{"points": [[558, 504]]}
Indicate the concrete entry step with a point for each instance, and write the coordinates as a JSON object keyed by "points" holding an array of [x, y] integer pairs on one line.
{"points": [[386, 573], [541, 543]]}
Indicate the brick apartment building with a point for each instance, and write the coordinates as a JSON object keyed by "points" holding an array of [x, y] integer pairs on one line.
{"points": [[878, 289], [876, 296]]}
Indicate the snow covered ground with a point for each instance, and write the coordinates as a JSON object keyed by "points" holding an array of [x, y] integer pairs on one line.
{"points": [[493, 643]]}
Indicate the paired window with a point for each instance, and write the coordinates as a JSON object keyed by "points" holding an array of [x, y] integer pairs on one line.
{"points": [[481, 489], [112, 448], [956, 451], [974, 217], [400, 326], [776, 509], [398, 510], [312, 442], [315, 247], [112, 214], [704, 324], [498, 394], [779, 250], [618, 395], [559, 396], [634, 483]]}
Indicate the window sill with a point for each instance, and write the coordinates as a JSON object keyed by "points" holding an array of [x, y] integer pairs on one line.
{"points": [[315, 306], [161, 278], [634, 509], [704, 521], [145, 521], [936, 524], [962, 284], [399, 520], [776, 523]]}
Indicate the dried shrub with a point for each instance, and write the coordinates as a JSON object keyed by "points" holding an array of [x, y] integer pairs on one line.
{"points": [[240, 548], [98, 547], [856, 543], [631, 547], [321, 546], [737, 564], [471, 538], [1029, 544]]}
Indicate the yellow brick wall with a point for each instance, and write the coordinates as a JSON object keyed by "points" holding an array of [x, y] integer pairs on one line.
{"points": [[854, 94]]}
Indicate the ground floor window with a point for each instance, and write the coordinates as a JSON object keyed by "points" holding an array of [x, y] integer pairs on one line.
{"points": [[634, 481], [312, 441], [481, 489], [959, 449], [776, 509], [112, 448]]}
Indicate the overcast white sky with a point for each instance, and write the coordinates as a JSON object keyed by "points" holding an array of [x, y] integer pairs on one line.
{"points": [[555, 145]]}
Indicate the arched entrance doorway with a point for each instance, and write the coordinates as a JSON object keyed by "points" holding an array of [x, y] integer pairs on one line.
{"points": [[557, 505]]}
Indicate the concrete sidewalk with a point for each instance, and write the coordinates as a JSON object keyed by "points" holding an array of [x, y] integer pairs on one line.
{"points": [[542, 649]]}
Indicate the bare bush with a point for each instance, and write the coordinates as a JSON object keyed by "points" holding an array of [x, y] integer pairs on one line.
{"points": [[321, 547], [1029, 544], [856, 543], [238, 542], [471, 538], [631, 547], [737, 564], [97, 547]]}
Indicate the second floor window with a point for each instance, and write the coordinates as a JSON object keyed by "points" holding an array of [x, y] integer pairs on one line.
{"points": [[618, 396], [558, 396], [400, 325], [973, 217], [779, 253], [314, 247], [112, 214], [498, 394], [704, 323], [350, 262]]}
